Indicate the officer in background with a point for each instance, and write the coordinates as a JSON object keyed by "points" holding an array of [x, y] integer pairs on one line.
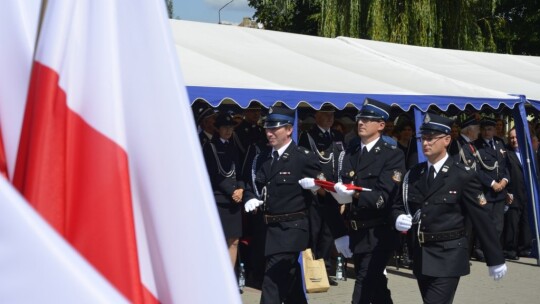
{"points": [[327, 144], [462, 148], [251, 139], [378, 165], [221, 157], [283, 175], [492, 159], [249, 132], [438, 193], [205, 117]]}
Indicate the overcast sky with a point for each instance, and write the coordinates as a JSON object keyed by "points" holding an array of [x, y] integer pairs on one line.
{"points": [[207, 10]]}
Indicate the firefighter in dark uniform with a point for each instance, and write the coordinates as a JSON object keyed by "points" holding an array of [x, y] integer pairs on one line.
{"points": [[251, 139], [249, 132], [492, 169], [462, 148], [221, 157], [438, 194], [378, 165], [463, 151], [327, 144], [284, 181], [205, 117]]}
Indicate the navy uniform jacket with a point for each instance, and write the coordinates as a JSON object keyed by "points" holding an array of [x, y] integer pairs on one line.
{"points": [[325, 146], [459, 146], [285, 195], [452, 195], [249, 134], [203, 138], [489, 156], [222, 186], [381, 170]]}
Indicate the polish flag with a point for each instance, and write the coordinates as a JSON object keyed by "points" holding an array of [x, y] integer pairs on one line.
{"points": [[109, 154], [18, 28], [38, 266]]}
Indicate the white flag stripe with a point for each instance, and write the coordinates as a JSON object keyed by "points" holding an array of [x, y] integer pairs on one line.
{"points": [[18, 27], [38, 266]]}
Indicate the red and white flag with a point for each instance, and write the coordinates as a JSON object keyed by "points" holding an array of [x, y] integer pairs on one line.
{"points": [[38, 266], [18, 28], [109, 153]]}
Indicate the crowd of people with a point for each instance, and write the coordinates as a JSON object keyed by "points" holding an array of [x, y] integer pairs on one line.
{"points": [[363, 195]]}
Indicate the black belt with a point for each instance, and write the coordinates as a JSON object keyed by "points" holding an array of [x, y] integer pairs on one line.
{"points": [[426, 237], [363, 224], [286, 217]]}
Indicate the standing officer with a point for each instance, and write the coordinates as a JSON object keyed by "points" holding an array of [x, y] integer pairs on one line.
{"points": [[277, 172], [327, 144], [378, 165], [439, 193], [492, 159], [462, 148], [205, 117], [221, 157]]}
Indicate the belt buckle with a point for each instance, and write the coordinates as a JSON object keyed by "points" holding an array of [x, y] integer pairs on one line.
{"points": [[353, 225], [421, 239]]}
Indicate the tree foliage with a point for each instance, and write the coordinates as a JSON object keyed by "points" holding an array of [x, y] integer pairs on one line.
{"points": [[505, 26], [288, 16]]}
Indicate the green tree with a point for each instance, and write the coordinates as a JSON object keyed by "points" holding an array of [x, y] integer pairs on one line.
{"points": [[301, 17], [505, 26]]}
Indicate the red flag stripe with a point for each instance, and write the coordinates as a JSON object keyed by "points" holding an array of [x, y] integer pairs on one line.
{"points": [[3, 162], [78, 179]]}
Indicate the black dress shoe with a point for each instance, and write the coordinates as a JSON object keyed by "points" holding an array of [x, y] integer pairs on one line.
{"points": [[332, 282]]}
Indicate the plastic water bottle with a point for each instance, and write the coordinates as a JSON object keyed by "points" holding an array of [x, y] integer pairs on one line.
{"points": [[242, 277], [339, 269]]}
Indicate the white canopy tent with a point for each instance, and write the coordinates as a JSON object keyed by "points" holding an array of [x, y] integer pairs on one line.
{"points": [[246, 64]]}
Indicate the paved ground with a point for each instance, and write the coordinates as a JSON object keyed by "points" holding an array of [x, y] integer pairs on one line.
{"points": [[520, 285]]}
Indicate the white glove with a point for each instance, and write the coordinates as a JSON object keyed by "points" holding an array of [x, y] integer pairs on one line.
{"points": [[404, 222], [342, 246], [252, 204], [498, 271], [342, 199], [342, 190], [308, 183]]}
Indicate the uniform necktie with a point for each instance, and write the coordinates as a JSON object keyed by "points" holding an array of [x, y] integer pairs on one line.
{"points": [[275, 157], [431, 176], [364, 150], [492, 144], [327, 135]]}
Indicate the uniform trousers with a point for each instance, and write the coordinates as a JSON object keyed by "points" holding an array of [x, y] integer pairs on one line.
{"points": [[437, 290], [371, 283], [282, 281], [496, 210]]}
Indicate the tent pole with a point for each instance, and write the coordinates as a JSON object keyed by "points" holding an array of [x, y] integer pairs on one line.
{"points": [[522, 115]]}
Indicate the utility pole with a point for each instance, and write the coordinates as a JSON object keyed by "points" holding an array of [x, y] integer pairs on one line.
{"points": [[219, 12]]}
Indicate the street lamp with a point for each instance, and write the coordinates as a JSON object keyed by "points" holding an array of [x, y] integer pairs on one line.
{"points": [[219, 12]]}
